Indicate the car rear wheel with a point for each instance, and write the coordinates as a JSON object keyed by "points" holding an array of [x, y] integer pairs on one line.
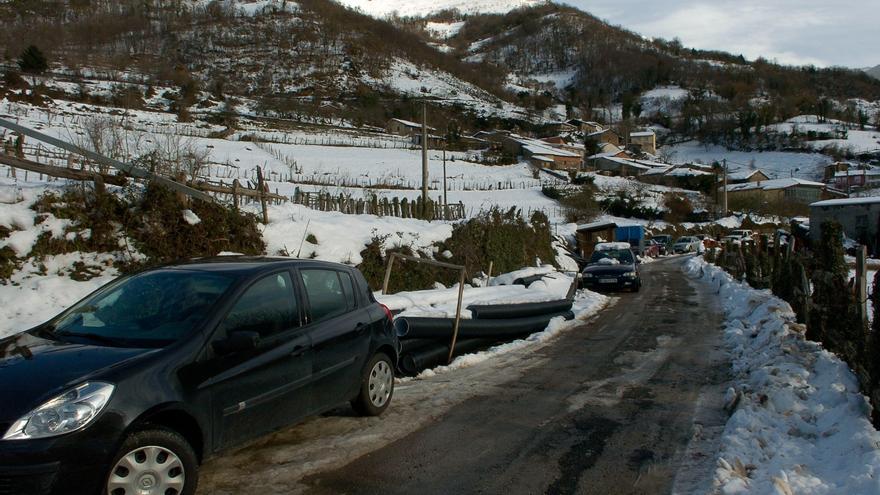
{"points": [[153, 462], [377, 386]]}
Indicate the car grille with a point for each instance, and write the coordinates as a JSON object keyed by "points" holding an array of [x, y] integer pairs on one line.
{"points": [[18, 484]]}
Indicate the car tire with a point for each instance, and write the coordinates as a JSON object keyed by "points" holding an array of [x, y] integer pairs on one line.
{"points": [[377, 386], [169, 448]]}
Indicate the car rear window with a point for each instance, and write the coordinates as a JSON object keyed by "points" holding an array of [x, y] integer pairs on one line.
{"points": [[329, 292]]}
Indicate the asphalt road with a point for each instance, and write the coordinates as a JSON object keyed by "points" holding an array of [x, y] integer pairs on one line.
{"points": [[629, 403]]}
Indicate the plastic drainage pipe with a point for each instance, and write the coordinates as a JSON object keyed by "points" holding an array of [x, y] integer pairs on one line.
{"points": [[409, 345], [441, 328], [428, 357], [508, 311]]}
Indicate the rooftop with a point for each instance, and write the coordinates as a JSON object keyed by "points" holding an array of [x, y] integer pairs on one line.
{"points": [[769, 185], [847, 201]]}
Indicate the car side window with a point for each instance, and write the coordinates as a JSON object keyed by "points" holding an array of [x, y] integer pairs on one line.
{"points": [[326, 293], [268, 307], [348, 289]]}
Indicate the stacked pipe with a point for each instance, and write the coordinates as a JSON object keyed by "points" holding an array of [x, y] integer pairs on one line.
{"points": [[424, 342]]}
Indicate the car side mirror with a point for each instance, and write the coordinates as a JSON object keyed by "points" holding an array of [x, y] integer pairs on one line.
{"points": [[237, 342]]}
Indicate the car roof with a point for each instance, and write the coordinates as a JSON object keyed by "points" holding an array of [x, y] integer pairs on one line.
{"points": [[242, 265]]}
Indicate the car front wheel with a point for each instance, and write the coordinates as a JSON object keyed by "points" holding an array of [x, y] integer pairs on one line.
{"points": [[153, 462], [377, 387]]}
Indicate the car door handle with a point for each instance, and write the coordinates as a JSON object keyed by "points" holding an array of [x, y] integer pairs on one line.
{"points": [[360, 328], [298, 351]]}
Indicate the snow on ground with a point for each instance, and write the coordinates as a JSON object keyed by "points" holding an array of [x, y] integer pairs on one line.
{"points": [[801, 425], [775, 163], [42, 290], [356, 164], [663, 99], [857, 141], [444, 30], [342, 237]]}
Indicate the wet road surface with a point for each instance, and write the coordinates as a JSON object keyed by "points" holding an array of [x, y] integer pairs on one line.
{"points": [[629, 403]]}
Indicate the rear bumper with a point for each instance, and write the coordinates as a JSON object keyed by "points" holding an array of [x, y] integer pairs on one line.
{"points": [[620, 284]]}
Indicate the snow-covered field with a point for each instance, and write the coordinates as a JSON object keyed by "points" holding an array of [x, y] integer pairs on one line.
{"points": [[800, 426], [338, 161], [775, 163]]}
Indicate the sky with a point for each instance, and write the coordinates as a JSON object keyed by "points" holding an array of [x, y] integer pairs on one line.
{"points": [[797, 32]]}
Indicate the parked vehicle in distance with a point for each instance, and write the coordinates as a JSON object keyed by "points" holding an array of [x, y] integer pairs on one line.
{"points": [[686, 244], [612, 266], [742, 234], [708, 242], [130, 389], [665, 241], [651, 248]]}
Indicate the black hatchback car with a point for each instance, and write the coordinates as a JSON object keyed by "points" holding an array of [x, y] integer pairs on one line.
{"points": [[130, 389], [612, 266]]}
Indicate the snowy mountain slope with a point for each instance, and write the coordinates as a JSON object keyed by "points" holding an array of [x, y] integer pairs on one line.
{"points": [[874, 71], [419, 8]]}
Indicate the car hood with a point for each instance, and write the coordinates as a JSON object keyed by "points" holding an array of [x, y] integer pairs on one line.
{"points": [[34, 369], [609, 269]]}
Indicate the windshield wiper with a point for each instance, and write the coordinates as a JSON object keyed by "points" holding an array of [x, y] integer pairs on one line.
{"points": [[92, 336]]}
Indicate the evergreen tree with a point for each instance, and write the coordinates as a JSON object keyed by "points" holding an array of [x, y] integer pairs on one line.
{"points": [[32, 60]]}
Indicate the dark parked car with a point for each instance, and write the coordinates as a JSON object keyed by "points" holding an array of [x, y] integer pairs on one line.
{"points": [[612, 266], [130, 389]]}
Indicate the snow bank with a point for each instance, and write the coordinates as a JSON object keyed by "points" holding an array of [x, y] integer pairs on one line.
{"points": [[509, 278], [801, 425], [33, 296], [342, 237]]}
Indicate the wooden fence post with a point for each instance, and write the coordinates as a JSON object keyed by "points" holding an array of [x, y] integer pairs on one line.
{"points": [[263, 204]]}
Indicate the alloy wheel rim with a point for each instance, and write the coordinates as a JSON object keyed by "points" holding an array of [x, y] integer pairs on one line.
{"points": [[150, 470], [380, 383]]}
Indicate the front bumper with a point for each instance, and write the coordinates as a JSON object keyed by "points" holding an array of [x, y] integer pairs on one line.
{"points": [[70, 464]]}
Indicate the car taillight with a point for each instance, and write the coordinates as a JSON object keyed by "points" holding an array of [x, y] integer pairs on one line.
{"points": [[387, 312]]}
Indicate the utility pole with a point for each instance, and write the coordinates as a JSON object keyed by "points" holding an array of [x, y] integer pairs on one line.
{"points": [[724, 185], [424, 159], [445, 203]]}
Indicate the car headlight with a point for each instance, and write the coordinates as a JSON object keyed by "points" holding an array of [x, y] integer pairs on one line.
{"points": [[68, 412], [588, 275], [630, 274]]}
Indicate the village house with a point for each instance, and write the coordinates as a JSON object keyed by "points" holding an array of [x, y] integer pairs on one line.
{"points": [[776, 190], [859, 217], [587, 127], [684, 176], [551, 128], [434, 141], [646, 141], [542, 154], [624, 167], [855, 179], [605, 136], [746, 176], [402, 127]]}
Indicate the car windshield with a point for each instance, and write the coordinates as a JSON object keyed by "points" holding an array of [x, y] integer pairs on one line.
{"points": [[151, 309], [619, 255], [685, 239]]}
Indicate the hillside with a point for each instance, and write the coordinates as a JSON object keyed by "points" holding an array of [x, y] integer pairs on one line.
{"points": [[420, 8], [312, 58], [874, 72]]}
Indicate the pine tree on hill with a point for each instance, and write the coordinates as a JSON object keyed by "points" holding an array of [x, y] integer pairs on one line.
{"points": [[32, 60]]}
